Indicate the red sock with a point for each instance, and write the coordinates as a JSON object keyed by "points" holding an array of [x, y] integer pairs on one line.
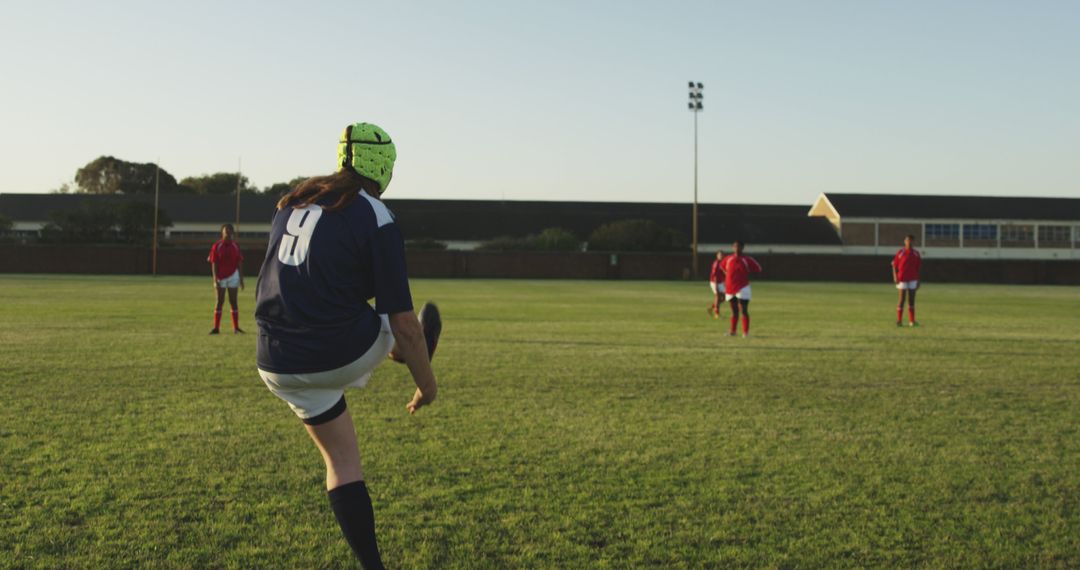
{"points": [[734, 323], [911, 313], [745, 324], [899, 314], [217, 319], [235, 319]]}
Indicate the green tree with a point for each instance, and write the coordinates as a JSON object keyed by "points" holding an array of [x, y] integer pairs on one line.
{"points": [[282, 188], [557, 239], [124, 222], [636, 235], [5, 225], [109, 175], [89, 223], [550, 239], [135, 222], [506, 243], [218, 183]]}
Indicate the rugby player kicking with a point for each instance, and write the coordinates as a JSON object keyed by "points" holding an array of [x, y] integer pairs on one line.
{"points": [[334, 246]]}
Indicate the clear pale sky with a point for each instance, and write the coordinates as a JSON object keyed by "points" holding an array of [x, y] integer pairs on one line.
{"points": [[560, 99]]}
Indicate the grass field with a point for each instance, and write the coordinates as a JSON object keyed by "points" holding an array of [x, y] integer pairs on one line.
{"points": [[579, 425]]}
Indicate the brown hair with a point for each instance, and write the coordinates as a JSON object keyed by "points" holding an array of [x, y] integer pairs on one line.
{"points": [[344, 185]]}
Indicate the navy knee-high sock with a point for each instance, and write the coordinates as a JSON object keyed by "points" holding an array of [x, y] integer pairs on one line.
{"points": [[352, 507]]}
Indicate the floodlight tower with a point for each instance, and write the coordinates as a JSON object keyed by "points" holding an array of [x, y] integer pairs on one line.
{"points": [[157, 187], [695, 108]]}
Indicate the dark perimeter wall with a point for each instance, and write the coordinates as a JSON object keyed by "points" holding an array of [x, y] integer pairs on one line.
{"points": [[536, 265]]}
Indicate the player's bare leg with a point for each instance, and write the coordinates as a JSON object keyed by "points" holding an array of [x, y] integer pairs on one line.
{"points": [[911, 308], [336, 440], [900, 308], [745, 303], [734, 315], [217, 309], [235, 310]]}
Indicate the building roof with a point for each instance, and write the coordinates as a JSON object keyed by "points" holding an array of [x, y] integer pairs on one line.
{"points": [[189, 208], [953, 207], [479, 220]]}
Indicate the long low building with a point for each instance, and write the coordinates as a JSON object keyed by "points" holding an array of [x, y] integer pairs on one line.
{"points": [[971, 227], [460, 224], [858, 224]]}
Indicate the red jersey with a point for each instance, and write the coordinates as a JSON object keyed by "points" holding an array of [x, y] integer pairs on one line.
{"points": [[907, 264], [716, 275], [227, 257], [738, 269]]}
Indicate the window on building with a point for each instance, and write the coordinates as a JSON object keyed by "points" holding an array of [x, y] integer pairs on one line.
{"points": [[980, 231], [942, 231], [1017, 233], [1055, 234]]}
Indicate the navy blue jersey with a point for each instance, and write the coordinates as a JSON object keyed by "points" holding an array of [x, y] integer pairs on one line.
{"points": [[321, 268]]}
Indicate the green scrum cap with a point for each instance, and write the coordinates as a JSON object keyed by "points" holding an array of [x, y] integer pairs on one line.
{"points": [[368, 151]]}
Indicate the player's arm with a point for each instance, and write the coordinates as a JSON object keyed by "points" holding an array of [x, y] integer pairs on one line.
{"points": [[212, 258], [893, 265], [409, 345], [393, 298]]}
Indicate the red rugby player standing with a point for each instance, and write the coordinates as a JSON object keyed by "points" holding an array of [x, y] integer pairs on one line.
{"points": [[737, 269], [905, 274], [716, 285], [225, 259]]}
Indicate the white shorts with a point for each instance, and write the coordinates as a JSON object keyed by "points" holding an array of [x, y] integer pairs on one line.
{"points": [[742, 294], [716, 287], [313, 393], [907, 285], [230, 282]]}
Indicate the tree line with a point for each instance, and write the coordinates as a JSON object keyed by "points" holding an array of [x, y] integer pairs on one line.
{"points": [[111, 175], [132, 222], [622, 235]]}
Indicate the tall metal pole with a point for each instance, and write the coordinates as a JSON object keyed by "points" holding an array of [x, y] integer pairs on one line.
{"points": [[695, 108], [157, 186], [695, 231], [239, 168]]}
